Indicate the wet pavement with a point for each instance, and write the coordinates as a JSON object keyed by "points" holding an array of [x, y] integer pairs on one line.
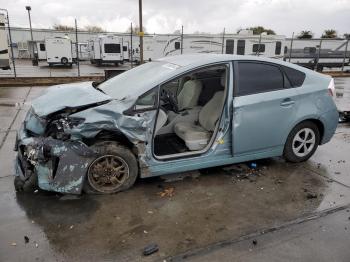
{"points": [[215, 214], [24, 68]]}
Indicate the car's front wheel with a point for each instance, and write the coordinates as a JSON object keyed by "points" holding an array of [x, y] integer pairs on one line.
{"points": [[114, 170], [302, 142]]}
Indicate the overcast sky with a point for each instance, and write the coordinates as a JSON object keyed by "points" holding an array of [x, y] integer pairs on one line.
{"points": [[166, 16]]}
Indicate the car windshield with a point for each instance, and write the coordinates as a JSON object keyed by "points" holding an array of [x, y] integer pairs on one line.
{"points": [[136, 81]]}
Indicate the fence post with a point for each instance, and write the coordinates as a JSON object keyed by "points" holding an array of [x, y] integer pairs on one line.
{"points": [[291, 47], [318, 54], [77, 46], [344, 58], [182, 38], [223, 41]]}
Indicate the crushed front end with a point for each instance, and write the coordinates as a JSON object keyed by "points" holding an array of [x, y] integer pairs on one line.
{"points": [[46, 152]]}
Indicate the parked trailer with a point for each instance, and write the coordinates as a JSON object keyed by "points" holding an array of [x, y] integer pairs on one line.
{"points": [[242, 44], [320, 53], [106, 49], [56, 51], [4, 53]]}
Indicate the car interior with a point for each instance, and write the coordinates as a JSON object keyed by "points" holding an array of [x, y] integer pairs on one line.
{"points": [[189, 112]]}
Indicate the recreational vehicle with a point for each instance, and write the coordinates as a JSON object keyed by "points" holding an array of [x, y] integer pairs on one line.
{"points": [[56, 51], [241, 44], [106, 49], [4, 54], [318, 53]]}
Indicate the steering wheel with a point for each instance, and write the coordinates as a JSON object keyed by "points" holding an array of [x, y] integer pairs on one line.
{"points": [[170, 99]]}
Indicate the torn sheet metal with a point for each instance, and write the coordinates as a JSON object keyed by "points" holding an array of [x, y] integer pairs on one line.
{"points": [[60, 166]]}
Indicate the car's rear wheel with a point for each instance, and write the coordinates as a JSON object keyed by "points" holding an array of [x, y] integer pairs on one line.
{"points": [[302, 142], [114, 170]]}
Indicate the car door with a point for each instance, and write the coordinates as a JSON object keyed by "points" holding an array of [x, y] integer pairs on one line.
{"points": [[264, 107]]}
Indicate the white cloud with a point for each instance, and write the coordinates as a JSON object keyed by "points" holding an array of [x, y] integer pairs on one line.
{"points": [[165, 16]]}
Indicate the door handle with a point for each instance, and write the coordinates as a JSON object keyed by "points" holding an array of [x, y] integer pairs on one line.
{"points": [[287, 102]]}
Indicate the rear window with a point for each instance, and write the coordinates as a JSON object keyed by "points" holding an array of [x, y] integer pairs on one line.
{"points": [[256, 78], [112, 48], [296, 78]]}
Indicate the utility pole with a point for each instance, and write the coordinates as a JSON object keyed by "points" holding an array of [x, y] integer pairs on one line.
{"points": [[28, 8], [182, 38], [290, 48], [11, 45], [223, 41], [77, 46], [130, 49], [141, 33]]}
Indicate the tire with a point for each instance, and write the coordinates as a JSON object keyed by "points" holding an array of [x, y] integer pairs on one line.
{"points": [[302, 142], [124, 160], [64, 60], [29, 185]]}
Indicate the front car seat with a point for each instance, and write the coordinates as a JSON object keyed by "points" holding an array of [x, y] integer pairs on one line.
{"points": [[189, 94], [197, 136]]}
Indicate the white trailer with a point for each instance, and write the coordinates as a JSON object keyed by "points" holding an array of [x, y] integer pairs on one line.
{"points": [[56, 51], [106, 49], [4, 50], [241, 44]]}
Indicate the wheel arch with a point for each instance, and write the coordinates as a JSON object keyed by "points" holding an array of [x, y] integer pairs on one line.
{"points": [[316, 121]]}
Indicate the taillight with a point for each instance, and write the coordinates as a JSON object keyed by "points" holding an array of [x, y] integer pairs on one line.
{"points": [[331, 88]]}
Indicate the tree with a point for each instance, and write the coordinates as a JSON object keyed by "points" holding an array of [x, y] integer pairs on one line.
{"points": [[177, 32], [135, 29], [94, 29], [63, 28], [305, 34], [330, 33], [257, 30]]}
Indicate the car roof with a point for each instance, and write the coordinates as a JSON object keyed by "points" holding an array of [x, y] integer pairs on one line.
{"points": [[198, 59]]}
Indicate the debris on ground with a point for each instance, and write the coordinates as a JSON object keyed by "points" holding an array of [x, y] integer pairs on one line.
{"points": [[26, 239], [36, 245], [71, 227], [150, 249], [310, 195], [13, 244], [167, 192], [255, 242], [243, 171]]}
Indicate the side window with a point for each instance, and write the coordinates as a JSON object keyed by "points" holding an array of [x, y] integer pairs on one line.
{"points": [[125, 48], [177, 45], [278, 48], [285, 49], [230, 44], [240, 47], [296, 78], [256, 78], [259, 48], [42, 47], [147, 101]]}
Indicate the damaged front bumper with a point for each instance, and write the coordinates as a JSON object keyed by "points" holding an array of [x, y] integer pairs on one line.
{"points": [[60, 166]]}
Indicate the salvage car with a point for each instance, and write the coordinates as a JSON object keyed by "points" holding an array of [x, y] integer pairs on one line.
{"points": [[171, 115]]}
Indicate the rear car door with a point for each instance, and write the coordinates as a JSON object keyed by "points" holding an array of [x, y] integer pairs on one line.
{"points": [[264, 107]]}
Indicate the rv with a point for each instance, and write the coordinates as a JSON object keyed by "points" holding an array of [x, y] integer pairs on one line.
{"points": [[56, 51], [4, 53], [106, 49], [307, 53], [244, 43]]}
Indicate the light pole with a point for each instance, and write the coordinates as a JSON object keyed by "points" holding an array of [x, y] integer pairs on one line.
{"points": [[28, 8], [11, 45]]}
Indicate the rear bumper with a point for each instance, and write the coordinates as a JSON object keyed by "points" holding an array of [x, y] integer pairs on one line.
{"points": [[330, 121], [59, 165]]}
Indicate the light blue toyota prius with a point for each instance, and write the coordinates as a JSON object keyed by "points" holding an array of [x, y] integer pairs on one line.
{"points": [[174, 114]]}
